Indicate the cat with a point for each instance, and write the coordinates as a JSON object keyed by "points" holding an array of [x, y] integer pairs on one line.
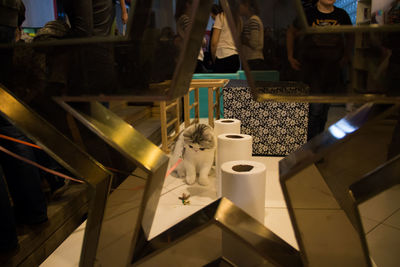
{"points": [[196, 147]]}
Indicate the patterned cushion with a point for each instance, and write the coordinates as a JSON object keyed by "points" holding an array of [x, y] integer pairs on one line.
{"points": [[277, 128]]}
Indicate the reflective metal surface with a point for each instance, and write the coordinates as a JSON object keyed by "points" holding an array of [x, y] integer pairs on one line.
{"points": [[323, 182], [135, 147], [188, 243], [148, 62], [232, 224], [377, 181], [69, 156], [316, 181], [361, 67]]}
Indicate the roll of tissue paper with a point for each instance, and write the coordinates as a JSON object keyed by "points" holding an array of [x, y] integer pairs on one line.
{"points": [[223, 126], [243, 182], [231, 147]]}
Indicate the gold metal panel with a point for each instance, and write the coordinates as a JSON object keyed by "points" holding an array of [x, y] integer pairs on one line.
{"points": [[377, 181], [70, 156], [317, 179], [223, 225], [132, 145]]}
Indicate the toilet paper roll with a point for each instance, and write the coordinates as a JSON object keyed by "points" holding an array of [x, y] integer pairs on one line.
{"points": [[231, 147], [223, 126], [243, 182]]}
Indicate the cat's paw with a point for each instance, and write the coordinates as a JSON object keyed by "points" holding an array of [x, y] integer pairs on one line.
{"points": [[190, 179], [204, 180], [180, 173]]}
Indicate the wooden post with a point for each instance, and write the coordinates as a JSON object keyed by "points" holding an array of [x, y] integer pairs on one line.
{"points": [[197, 105], [218, 103], [186, 109], [211, 106], [178, 117]]}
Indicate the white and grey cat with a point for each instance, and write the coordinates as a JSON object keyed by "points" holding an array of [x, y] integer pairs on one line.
{"points": [[196, 146]]}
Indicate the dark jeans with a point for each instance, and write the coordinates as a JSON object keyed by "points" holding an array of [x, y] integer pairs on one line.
{"points": [[227, 65], [8, 233], [257, 64], [88, 18], [24, 181], [322, 71], [7, 35], [317, 117], [200, 67], [92, 66]]}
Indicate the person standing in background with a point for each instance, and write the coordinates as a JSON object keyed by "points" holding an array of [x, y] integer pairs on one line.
{"points": [[208, 61], [223, 49], [321, 58], [23, 180], [252, 35], [183, 19]]}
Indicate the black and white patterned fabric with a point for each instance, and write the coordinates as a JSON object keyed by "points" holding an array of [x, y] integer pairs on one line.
{"points": [[277, 128]]}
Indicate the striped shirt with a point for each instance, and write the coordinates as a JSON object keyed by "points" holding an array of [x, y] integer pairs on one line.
{"points": [[181, 27], [253, 38]]}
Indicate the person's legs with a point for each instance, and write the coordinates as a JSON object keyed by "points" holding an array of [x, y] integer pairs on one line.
{"points": [[257, 64], [7, 35], [24, 181], [317, 117], [200, 67], [103, 17], [8, 232], [323, 75], [54, 182], [229, 64], [80, 16]]}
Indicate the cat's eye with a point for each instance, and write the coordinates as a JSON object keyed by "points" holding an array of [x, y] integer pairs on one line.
{"points": [[201, 148], [190, 146]]}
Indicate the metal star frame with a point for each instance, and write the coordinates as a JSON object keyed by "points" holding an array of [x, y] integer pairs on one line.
{"points": [[266, 91], [325, 180], [313, 189]]}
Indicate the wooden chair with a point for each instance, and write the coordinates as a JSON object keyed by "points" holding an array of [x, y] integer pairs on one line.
{"points": [[213, 85], [166, 140]]}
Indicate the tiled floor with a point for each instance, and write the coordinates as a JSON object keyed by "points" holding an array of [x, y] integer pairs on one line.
{"points": [[380, 215]]}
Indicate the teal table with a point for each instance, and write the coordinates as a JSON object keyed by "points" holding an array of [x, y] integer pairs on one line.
{"points": [[240, 75]]}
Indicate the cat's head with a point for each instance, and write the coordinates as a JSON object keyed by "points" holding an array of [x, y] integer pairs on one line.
{"points": [[199, 137]]}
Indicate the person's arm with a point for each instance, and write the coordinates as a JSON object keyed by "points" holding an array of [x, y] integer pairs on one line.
{"points": [[124, 12], [217, 28], [290, 37], [214, 42]]}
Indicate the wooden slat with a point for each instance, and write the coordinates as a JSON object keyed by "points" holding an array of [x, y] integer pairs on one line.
{"points": [[171, 139], [171, 105], [210, 107], [193, 105], [178, 115], [163, 119], [197, 101], [172, 122], [218, 103], [208, 82], [186, 110]]}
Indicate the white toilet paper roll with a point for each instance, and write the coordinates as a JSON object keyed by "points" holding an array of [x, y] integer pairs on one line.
{"points": [[223, 126], [231, 147], [243, 182]]}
